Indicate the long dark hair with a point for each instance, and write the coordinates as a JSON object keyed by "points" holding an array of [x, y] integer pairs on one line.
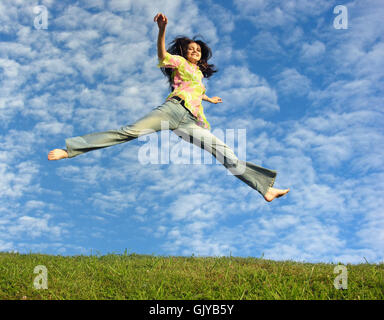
{"points": [[179, 46]]}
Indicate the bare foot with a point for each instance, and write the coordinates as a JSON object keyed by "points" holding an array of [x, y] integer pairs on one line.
{"points": [[273, 193], [57, 154]]}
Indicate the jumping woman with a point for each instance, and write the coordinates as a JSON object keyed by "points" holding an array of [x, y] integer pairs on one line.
{"points": [[185, 64]]}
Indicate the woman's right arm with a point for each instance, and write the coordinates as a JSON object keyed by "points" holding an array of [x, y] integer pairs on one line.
{"points": [[162, 21]]}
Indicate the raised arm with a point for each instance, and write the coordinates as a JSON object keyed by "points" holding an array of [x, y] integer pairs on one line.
{"points": [[162, 21]]}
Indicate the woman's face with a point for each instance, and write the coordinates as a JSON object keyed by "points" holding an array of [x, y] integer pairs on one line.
{"points": [[193, 52]]}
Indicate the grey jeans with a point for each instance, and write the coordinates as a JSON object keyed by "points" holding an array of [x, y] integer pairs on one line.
{"points": [[183, 123]]}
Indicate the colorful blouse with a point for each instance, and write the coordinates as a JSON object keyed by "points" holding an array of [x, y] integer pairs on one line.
{"points": [[187, 84]]}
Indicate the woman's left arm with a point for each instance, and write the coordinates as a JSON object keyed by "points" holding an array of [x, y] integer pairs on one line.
{"points": [[212, 100]]}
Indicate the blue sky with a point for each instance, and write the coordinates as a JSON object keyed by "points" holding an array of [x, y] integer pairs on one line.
{"points": [[309, 96]]}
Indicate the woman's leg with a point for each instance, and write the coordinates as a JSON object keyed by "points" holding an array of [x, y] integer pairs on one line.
{"points": [[258, 178], [150, 123]]}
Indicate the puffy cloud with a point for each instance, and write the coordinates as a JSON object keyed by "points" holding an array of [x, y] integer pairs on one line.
{"points": [[312, 51], [238, 86], [291, 82]]}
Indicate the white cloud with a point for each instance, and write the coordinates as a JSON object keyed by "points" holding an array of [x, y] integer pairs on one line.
{"points": [[113, 201], [267, 14], [292, 36], [34, 227], [95, 4], [371, 232], [263, 13], [199, 245], [120, 5], [17, 180], [291, 82], [33, 204], [222, 17], [238, 87], [312, 51], [265, 45], [6, 246], [193, 206]]}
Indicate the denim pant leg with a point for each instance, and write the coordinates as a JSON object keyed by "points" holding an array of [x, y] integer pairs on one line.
{"points": [[168, 113], [256, 177]]}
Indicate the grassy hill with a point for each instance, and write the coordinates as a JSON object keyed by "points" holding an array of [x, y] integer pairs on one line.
{"points": [[145, 277]]}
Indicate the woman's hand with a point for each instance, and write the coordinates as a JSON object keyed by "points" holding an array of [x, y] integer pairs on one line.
{"points": [[161, 20], [212, 100], [215, 100]]}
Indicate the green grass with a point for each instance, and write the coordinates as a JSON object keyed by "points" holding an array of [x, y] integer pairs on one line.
{"points": [[145, 277]]}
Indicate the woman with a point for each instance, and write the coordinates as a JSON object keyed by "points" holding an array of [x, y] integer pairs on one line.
{"points": [[185, 64]]}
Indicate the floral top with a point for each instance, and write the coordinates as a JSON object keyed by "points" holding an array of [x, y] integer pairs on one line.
{"points": [[187, 84]]}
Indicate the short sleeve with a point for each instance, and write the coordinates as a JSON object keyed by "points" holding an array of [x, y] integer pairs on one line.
{"points": [[171, 61]]}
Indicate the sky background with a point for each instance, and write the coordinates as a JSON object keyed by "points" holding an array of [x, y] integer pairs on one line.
{"points": [[309, 96]]}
